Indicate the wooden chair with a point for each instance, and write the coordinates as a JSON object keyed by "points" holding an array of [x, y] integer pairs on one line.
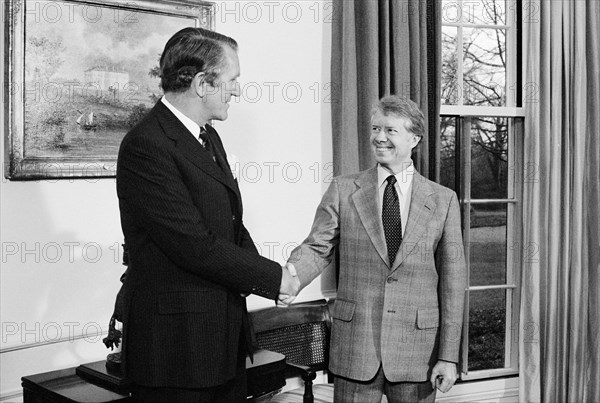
{"points": [[300, 332]]}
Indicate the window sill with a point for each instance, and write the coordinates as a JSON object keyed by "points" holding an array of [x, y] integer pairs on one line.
{"points": [[492, 390]]}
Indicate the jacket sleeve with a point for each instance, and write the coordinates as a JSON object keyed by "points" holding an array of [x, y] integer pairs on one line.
{"points": [[451, 266], [153, 193], [316, 252], [246, 241]]}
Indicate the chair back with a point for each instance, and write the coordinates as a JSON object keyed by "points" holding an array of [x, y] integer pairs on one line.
{"points": [[300, 332]]}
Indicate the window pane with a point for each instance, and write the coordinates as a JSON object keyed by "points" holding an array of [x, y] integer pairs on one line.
{"points": [[489, 158], [488, 244], [489, 12], [484, 66], [449, 66], [487, 324], [448, 151]]}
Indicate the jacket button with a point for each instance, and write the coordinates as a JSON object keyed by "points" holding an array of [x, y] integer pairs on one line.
{"points": [[233, 217], [391, 280]]}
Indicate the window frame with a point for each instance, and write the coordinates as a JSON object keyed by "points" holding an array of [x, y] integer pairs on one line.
{"points": [[515, 113]]}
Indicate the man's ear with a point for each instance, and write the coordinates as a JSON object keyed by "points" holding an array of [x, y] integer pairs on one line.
{"points": [[416, 140], [199, 84]]}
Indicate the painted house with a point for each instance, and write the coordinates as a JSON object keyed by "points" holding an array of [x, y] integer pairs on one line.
{"points": [[107, 77]]}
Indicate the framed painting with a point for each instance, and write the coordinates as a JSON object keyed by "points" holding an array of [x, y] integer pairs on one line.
{"points": [[78, 75]]}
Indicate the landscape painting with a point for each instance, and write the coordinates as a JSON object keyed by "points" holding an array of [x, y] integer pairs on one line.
{"points": [[89, 74]]}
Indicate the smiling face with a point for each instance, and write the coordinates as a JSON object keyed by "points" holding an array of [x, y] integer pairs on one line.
{"points": [[216, 96], [391, 141]]}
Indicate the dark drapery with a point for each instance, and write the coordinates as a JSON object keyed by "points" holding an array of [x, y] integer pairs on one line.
{"points": [[379, 48]]}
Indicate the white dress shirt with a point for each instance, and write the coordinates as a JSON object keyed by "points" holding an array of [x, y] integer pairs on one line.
{"points": [[192, 126], [403, 187]]}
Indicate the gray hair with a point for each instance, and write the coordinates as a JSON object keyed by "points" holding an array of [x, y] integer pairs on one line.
{"points": [[189, 52], [403, 108]]}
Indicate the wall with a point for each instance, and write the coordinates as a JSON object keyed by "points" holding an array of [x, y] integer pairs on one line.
{"points": [[60, 239], [281, 132]]}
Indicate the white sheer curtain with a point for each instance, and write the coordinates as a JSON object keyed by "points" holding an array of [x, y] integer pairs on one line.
{"points": [[560, 337]]}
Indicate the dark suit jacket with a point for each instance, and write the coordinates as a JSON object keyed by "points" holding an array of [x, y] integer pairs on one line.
{"points": [[190, 257], [404, 315]]}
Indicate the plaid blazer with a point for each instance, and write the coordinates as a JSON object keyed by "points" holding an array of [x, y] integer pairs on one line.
{"points": [[190, 257], [407, 314]]}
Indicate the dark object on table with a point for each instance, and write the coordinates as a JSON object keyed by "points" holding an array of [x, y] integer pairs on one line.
{"points": [[114, 336], [101, 374]]}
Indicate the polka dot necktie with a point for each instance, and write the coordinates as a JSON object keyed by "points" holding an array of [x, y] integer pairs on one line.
{"points": [[392, 222]]}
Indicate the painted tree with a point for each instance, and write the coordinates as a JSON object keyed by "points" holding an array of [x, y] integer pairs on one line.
{"points": [[43, 58]]}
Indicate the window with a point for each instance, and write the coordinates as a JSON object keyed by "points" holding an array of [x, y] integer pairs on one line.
{"points": [[481, 159]]}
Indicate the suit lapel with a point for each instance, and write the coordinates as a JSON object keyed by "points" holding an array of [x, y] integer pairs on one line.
{"points": [[421, 209], [366, 202], [191, 148], [221, 157]]}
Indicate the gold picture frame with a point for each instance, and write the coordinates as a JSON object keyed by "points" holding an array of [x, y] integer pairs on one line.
{"points": [[78, 75]]}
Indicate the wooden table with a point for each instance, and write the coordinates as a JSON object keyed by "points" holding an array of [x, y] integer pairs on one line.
{"points": [[93, 383]]}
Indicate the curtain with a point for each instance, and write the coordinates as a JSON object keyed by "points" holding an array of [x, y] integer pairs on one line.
{"points": [[380, 48], [559, 343]]}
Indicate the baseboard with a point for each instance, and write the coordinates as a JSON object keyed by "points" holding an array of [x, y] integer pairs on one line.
{"points": [[504, 390]]}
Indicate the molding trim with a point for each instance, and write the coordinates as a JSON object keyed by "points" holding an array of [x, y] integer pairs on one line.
{"points": [[49, 342], [14, 396]]}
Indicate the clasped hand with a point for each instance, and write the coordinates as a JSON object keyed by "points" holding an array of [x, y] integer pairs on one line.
{"points": [[290, 285]]}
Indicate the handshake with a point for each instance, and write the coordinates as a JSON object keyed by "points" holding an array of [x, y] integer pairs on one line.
{"points": [[290, 285]]}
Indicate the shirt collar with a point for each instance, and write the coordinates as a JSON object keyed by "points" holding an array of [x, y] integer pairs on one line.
{"points": [[403, 178], [192, 126]]}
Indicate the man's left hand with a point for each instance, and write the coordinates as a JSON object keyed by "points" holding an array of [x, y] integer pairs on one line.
{"points": [[443, 376]]}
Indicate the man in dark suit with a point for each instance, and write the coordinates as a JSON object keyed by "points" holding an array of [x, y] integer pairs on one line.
{"points": [[191, 260], [397, 316]]}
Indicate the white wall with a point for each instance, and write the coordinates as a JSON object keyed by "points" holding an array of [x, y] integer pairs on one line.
{"points": [[60, 239], [281, 132]]}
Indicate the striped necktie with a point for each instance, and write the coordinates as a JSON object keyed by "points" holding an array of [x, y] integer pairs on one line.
{"points": [[206, 142]]}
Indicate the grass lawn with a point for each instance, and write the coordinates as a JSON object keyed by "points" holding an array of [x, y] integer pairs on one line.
{"points": [[487, 308]]}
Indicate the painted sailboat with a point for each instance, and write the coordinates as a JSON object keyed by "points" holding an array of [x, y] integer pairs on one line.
{"points": [[87, 121]]}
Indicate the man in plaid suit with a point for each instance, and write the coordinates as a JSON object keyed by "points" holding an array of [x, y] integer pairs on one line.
{"points": [[397, 317]]}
